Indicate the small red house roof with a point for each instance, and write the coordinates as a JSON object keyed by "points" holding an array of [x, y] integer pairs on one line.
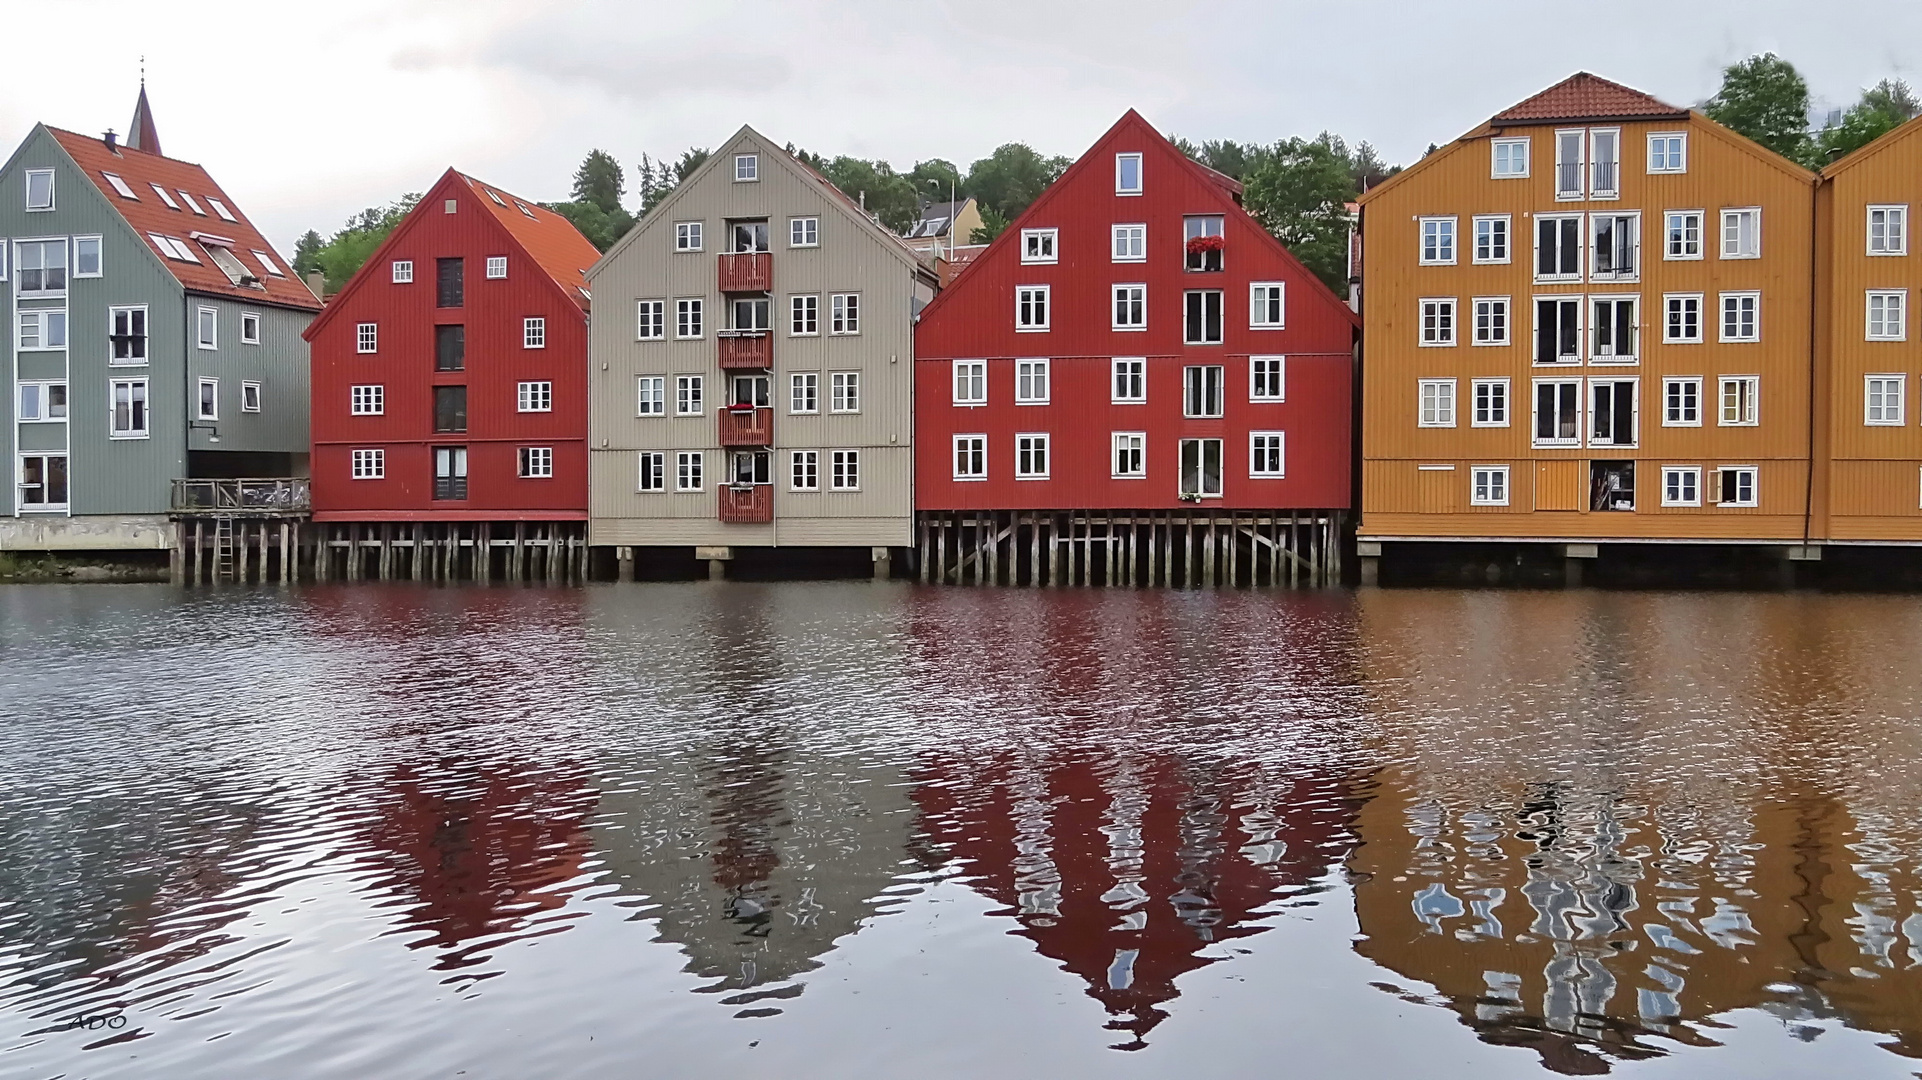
{"points": [[1584, 97], [149, 215], [551, 240]]}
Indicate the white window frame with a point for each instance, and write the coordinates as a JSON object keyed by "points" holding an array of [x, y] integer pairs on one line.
{"points": [[535, 396], [804, 470], [969, 383], [1634, 220], [844, 314], [1670, 333], [1435, 403], [42, 319], [44, 413], [1896, 299], [120, 186], [1265, 297], [66, 268], [690, 311], [1030, 372], [657, 459], [1128, 242], [804, 315], [1209, 383], [366, 338], [1026, 298], [1485, 228], [250, 328], [1437, 241], [844, 470], [1596, 190], [1754, 486], [844, 391], [144, 430], [1026, 443], [1128, 373], [146, 338], [1635, 414], [1136, 296], [1256, 468], [165, 196], [1732, 248], [534, 332], [1134, 446], [496, 267], [249, 396], [1040, 246], [804, 393], [690, 395], [207, 319], [1672, 220], [1495, 148], [1141, 181], [1581, 247], [1269, 370], [687, 236], [1535, 437], [1895, 218], [650, 395], [690, 471], [650, 315], [220, 208], [1680, 165], [1488, 485], [1497, 313], [1490, 403], [402, 271], [1579, 192], [1671, 495], [367, 464], [1201, 466], [1749, 403], [367, 399], [975, 445], [99, 257], [1886, 413], [1593, 328], [1722, 322], [200, 398], [804, 232], [1444, 330], [1691, 385], [52, 195], [192, 202], [535, 462], [747, 168]]}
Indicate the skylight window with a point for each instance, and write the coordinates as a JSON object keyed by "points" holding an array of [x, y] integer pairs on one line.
{"points": [[221, 209], [266, 261], [120, 186], [230, 265], [496, 196], [524, 208], [192, 203], [164, 197], [174, 249]]}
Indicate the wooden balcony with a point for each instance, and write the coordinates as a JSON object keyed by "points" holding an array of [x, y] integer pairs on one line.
{"points": [[743, 350], [747, 272], [747, 504], [281, 496], [747, 427]]}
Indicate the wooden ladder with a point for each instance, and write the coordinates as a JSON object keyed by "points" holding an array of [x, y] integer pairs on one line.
{"points": [[223, 547]]}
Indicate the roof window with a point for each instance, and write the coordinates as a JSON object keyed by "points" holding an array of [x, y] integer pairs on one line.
{"points": [[172, 248], [120, 186], [496, 196], [524, 208], [267, 262], [190, 202], [164, 197], [221, 209]]}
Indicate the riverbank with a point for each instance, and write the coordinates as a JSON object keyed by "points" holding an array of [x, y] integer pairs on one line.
{"points": [[40, 568]]}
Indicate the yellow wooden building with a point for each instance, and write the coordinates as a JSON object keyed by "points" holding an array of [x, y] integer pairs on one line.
{"points": [[1588, 322]]}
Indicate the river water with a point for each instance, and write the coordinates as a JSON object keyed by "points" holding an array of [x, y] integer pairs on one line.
{"points": [[872, 829]]}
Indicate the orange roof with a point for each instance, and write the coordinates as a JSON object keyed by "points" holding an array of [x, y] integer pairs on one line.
{"points": [[1583, 97], [551, 240], [149, 215]]}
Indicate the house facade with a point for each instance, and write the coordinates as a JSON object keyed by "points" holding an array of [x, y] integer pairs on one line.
{"points": [[155, 335], [1588, 322], [751, 379], [1135, 378], [450, 394]]}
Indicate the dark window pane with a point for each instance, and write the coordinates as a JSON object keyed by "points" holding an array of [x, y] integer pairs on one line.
{"points": [[450, 408], [450, 283], [450, 348]]}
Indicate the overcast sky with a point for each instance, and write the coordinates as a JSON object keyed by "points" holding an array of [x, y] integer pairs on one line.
{"points": [[306, 112]]}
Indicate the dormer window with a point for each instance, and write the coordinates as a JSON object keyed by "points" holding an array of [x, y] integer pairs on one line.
{"points": [[220, 208], [164, 197], [120, 186], [1127, 174], [39, 189], [747, 167]]}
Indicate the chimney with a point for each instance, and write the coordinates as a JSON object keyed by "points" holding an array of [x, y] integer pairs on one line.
{"points": [[109, 138], [317, 284]]}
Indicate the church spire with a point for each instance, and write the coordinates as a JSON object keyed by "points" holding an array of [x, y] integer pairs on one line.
{"points": [[141, 134]]}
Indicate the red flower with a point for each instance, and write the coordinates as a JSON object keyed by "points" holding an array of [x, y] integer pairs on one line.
{"points": [[1200, 244]]}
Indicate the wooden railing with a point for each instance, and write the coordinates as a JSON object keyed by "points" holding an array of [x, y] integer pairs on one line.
{"points": [[747, 427], [747, 272], [272, 495], [747, 504], [743, 350]]}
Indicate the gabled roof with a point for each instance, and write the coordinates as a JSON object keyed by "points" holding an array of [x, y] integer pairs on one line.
{"points": [[1885, 141], [148, 214], [1583, 97], [549, 239], [936, 218]]}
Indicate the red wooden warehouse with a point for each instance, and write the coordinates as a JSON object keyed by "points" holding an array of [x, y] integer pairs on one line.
{"points": [[1136, 383], [450, 395]]}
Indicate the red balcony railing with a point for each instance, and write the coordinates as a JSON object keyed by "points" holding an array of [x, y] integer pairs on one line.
{"points": [[747, 427], [746, 351], [747, 504], [747, 272]]}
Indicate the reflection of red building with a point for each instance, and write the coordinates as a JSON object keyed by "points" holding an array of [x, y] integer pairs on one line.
{"points": [[1129, 871]]}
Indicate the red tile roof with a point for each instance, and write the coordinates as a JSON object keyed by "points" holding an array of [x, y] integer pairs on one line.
{"points": [[149, 215], [551, 240], [1582, 96]]}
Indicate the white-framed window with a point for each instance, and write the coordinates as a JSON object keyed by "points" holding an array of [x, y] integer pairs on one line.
{"points": [[369, 464], [688, 317], [1488, 403], [844, 470], [1129, 460], [120, 186], [367, 400], [266, 262], [1435, 403], [1031, 382], [971, 457], [1266, 457], [1682, 236], [1614, 412], [221, 209], [536, 462], [1491, 238], [1737, 485], [1605, 162], [1682, 318], [127, 335], [1558, 412], [536, 397], [650, 320], [1200, 469], [1889, 229], [1741, 316], [1617, 251], [1614, 329], [1742, 233], [1131, 307], [747, 168], [804, 315], [129, 408], [534, 332], [40, 189], [1681, 485], [653, 471], [1267, 378], [1267, 305], [250, 328], [650, 395], [1203, 390], [174, 248], [1682, 401], [1488, 485], [402, 271], [687, 395], [41, 329], [249, 397], [39, 269], [970, 382], [1038, 245], [192, 203], [1740, 400], [86, 257], [1202, 324], [804, 232], [804, 392], [1437, 321], [496, 267], [687, 236], [1888, 315], [690, 470], [1882, 400], [1491, 320], [164, 197], [844, 391], [1130, 243], [207, 328], [1031, 456], [1508, 158], [1668, 152], [1130, 383], [1031, 307], [1571, 150], [804, 470], [844, 313], [42, 401], [1127, 174], [1558, 247], [1437, 241], [208, 404], [366, 337]]}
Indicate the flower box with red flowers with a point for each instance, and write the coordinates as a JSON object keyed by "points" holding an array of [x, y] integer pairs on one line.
{"points": [[1200, 245], [740, 407]]}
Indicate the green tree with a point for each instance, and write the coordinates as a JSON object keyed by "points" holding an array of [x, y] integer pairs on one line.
{"points": [[344, 252], [655, 180], [887, 194], [1011, 178], [305, 250], [992, 223], [600, 181], [1228, 158], [600, 227], [937, 175], [1884, 107], [1299, 190], [1766, 99]]}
